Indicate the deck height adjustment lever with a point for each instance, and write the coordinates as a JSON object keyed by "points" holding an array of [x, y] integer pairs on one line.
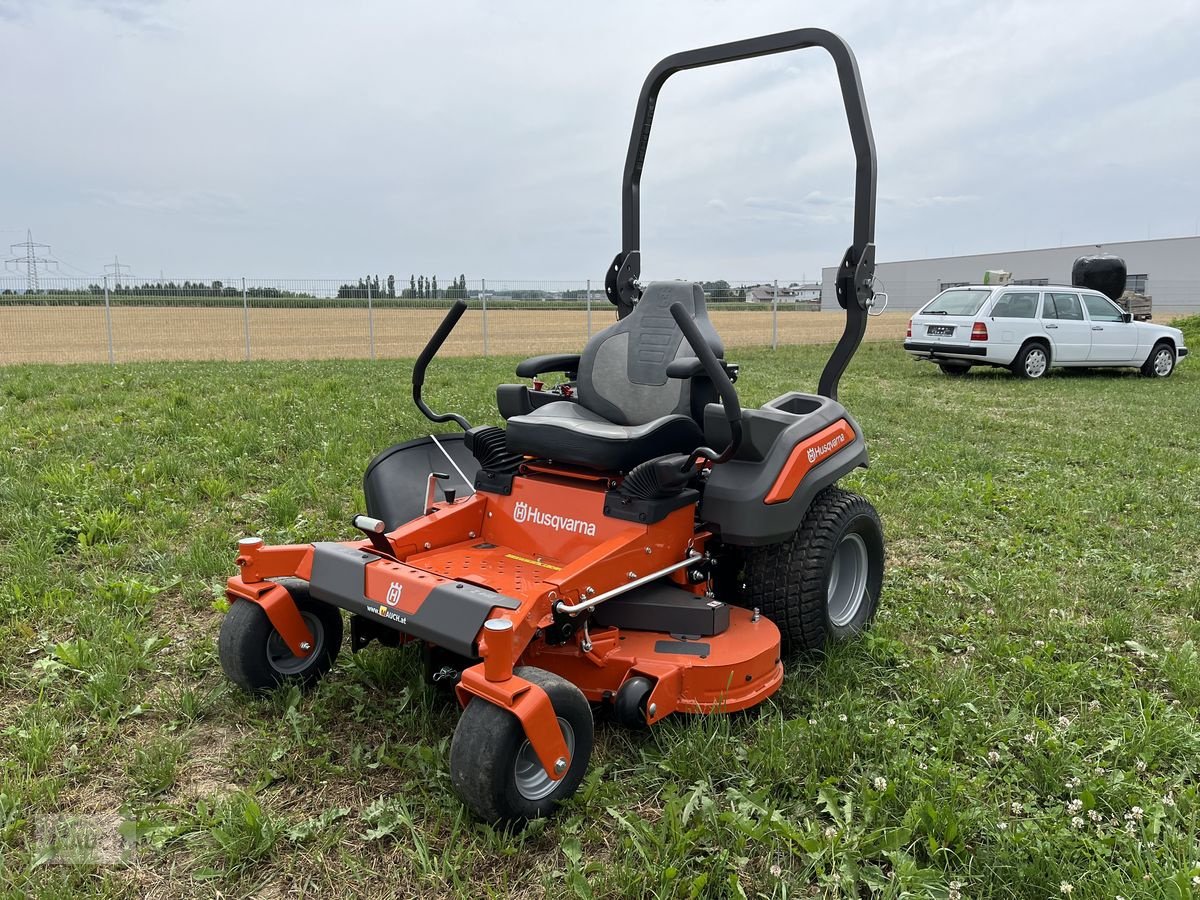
{"points": [[431, 490]]}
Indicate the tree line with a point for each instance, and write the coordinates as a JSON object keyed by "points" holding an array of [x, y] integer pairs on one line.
{"points": [[419, 287]]}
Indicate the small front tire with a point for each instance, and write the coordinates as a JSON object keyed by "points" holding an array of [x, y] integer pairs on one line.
{"points": [[254, 656], [492, 763], [1032, 362], [1161, 361]]}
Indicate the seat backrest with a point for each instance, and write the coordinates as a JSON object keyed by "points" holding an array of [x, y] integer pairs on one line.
{"points": [[623, 369]]}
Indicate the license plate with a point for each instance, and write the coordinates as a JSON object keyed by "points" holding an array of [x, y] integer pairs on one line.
{"points": [[941, 329]]}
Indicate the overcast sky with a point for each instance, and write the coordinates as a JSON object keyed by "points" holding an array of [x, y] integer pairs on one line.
{"points": [[303, 138]]}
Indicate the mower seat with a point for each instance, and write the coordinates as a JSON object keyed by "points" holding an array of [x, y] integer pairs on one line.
{"points": [[628, 410]]}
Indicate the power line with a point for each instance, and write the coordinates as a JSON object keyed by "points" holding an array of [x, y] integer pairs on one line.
{"points": [[30, 260]]}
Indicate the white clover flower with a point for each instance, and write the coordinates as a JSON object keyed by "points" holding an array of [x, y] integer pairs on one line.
{"points": [[1077, 822], [1196, 881], [775, 870], [880, 783], [830, 831], [891, 723], [922, 766], [1030, 738], [1169, 799], [1016, 808], [1065, 888], [1140, 765], [1039, 644], [1075, 805], [1099, 770], [1064, 723], [1002, 826], [1094, 706], [1073, 783], [993, 757], [991, 610], [843, 717], [812, 721], [1136, 813], [1094, 815]]}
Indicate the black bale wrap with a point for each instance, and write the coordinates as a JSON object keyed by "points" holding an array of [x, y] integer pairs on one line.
{"points": [[1105, 274]]}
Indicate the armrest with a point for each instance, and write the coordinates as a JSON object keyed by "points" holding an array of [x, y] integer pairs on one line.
{"points": [[691, 367], [553, 362], [685, 367]]}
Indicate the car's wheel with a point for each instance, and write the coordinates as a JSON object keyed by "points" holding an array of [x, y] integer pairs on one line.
{"points": [[1161, 361], [493, 766], [1032, 362], [823, 583], [254, 656], [954, 368]]}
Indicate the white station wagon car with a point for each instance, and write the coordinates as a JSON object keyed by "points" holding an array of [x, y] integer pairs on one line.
{"points": [[1030, 329]]}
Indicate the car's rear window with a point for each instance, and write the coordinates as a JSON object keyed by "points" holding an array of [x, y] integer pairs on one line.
{"points": [[956, 303]]}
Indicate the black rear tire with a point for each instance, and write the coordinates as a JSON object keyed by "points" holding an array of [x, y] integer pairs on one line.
{"points": [[254, 656], [1161, 361], [954, 368], [491, 762], [823, 583], [1032, 362]]}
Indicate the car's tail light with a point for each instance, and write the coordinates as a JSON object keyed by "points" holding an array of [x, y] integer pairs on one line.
{"points": [[909, 334], [979, 332]]}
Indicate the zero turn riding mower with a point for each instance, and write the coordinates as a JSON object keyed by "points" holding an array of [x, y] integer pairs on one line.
{"points": [[632, 538]]}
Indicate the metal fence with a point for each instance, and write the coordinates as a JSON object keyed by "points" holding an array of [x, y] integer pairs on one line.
{"points": [[67, 320]]}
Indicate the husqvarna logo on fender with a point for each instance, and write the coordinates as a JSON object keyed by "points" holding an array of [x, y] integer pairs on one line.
{"points": [[815, 453], [393, 593], [523, 512]]}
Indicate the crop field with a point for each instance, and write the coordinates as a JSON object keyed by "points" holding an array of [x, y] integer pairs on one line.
{"points": [[1022, 721], [68, 333]]}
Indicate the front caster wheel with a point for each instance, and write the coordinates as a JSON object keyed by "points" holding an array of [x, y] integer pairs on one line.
{"points": [[492, 763], [254, 655], [823, 583]]}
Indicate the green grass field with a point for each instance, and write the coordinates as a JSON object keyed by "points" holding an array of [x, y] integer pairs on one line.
{"points": [[1021, 722]]}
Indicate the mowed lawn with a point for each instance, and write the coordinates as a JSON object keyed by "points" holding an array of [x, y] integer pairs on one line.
{"points": [[1021, 722]]}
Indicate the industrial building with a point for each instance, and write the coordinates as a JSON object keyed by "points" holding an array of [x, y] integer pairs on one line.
{"points": [[1168, 269]]}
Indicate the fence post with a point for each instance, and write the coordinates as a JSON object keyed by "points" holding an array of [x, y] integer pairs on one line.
{"points": [[775, 316], [246, 317], [370, 320], [108, 323], [589, 307], [483, 298]]}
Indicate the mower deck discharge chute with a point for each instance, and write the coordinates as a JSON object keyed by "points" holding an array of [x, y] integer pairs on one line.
{"points": [[632, 539]]}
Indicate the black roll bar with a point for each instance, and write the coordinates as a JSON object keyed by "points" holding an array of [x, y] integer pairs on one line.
{"points": [[857, 268]]}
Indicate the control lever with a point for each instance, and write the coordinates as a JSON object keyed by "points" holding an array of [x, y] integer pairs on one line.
{"points": [[720, 380]]}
